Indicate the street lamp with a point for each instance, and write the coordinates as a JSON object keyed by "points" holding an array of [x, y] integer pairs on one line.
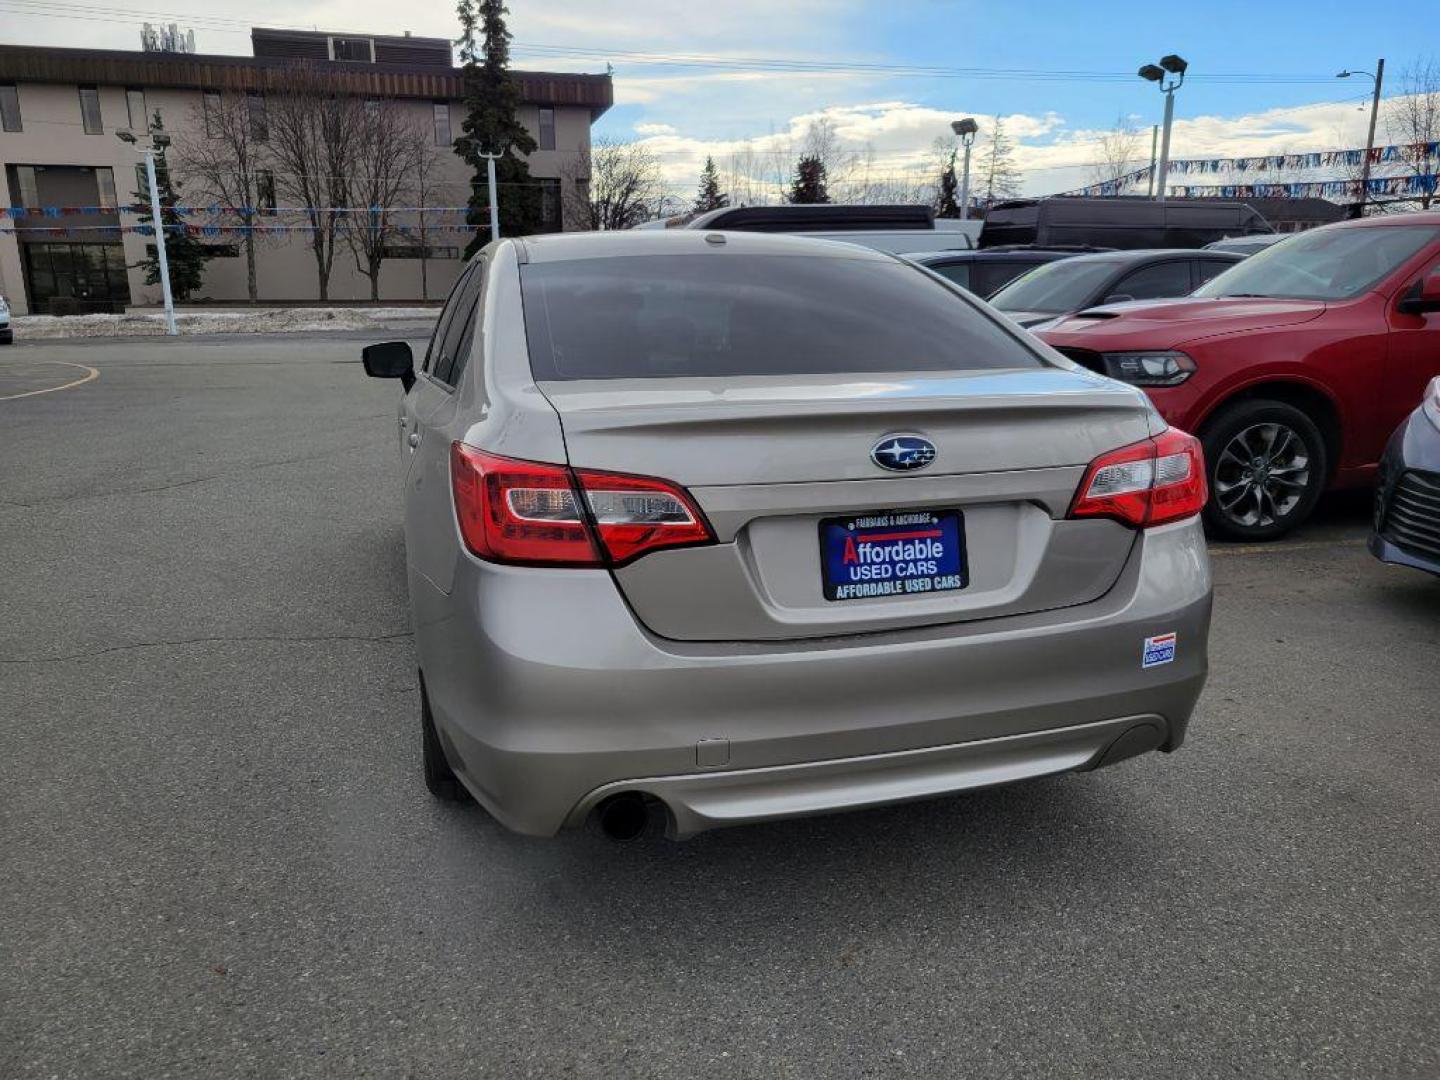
{"points": [[157, 142], [966, 130], [1168, 76], [1378, 77]]}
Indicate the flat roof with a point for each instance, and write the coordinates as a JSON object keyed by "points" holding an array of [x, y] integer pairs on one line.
{"points": [[215, 71]]}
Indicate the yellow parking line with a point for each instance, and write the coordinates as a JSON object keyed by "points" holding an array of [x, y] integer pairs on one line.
{"points": [[90, 373], [1274, 549]]}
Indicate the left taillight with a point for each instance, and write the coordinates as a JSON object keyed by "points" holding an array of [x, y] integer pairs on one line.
{"points": [[538, 514], [1151, 482]]}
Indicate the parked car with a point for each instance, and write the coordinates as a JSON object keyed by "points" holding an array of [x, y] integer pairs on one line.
{"points": [[748, 527], [1086, 281], [1130, 223], [897, 229], [1247, 245], [986, 272], [1293, 366], [1407, 498], [7, 332]]}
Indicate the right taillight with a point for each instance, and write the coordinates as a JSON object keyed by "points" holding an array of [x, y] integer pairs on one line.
{"points": [[530, 512], [1147, 483]]}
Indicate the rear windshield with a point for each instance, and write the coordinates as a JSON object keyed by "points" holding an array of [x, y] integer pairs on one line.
{"points": [[1327, 264], [718, 314], [1056, 287]]}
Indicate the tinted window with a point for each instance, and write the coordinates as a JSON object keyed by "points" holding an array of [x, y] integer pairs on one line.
{"points": [[457, 333], [1208, 268], [1326, 264], [10, 108], [1055, 287], [1155, 281], [959, 273], [90, 110], [442, 324], [473, 323], [990, 275], [718, 314]]}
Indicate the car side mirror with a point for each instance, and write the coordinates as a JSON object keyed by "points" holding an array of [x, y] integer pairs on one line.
{"points": [[1117, 298], [1423, 297], [390, 360]]}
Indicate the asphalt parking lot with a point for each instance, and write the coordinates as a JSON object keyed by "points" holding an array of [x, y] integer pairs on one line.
{"points": [[217, 857]]}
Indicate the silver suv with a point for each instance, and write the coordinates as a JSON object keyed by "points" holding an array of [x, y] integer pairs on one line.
{"points": [[710, 528]]}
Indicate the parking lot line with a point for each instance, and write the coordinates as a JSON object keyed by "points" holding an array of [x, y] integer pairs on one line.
{"points": [[90, 373]]}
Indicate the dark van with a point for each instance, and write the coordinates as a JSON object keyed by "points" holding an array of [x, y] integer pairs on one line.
{"points": [[1126, 223]]}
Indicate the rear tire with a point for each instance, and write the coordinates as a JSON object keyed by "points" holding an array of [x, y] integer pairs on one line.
{"points": [[1267, 465], [440, 778]]}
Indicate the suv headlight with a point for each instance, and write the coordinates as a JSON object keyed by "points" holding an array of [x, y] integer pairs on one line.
{"points": [[1149, 368]]}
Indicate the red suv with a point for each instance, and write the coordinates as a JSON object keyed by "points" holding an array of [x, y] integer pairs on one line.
{"points": [[1293, 366]]}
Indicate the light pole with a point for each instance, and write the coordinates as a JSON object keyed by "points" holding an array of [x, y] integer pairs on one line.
{"points": [[158, 142], [966, 130], [1379, 77], [490, 160], [1169, 76]]}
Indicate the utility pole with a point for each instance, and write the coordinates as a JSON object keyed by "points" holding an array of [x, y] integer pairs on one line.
{"points": [[1168, 76], [1378, 77], [966, 130], [490, 160], [1154, 138], [158, 142]]}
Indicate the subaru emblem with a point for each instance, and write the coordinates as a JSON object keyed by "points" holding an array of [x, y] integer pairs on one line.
{"points": [[903, 453]]}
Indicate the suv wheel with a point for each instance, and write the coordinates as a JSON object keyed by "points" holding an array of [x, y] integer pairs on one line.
{"points": [[1268, 464], [439, 777]]}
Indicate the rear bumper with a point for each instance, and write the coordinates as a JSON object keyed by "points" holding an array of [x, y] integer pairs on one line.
{"points": [[549, 696]]}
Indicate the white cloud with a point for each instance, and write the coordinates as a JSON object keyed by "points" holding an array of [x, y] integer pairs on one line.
{"points": [[654, 129]]}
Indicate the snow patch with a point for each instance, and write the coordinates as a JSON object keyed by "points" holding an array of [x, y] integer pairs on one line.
{"points": [[250, 321]]}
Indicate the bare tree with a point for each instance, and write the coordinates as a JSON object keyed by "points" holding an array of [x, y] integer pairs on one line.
{"points": [[387, 149], [1412, 121], [744, 177], [1118, 153], [424, 189], [221, 159], [625, 186], [999, 178], [313, 138]]}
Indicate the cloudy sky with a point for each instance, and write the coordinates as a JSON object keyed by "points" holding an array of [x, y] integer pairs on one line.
{"points": [[694, 77]]}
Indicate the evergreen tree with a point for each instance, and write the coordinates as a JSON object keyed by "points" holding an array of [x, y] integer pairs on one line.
{"points": [[999, 179], [809, 183], [185, 254], [710, 196], [947, 202], [491, 100]]}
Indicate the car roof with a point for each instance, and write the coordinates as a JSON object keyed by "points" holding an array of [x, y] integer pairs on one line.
{"points": [[1138, 255], [963, 255], [1390, 221], [577, 246]]}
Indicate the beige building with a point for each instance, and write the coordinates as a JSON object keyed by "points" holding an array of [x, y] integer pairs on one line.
{"points": [[60, 110]]}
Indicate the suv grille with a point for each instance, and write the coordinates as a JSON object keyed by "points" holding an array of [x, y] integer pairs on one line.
{"points": [[1086, 358], [1412, 521]]}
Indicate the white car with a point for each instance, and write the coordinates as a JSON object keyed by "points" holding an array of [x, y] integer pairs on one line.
{"points": [[7, 333]]}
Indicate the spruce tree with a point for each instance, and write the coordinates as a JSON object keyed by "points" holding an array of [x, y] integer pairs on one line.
{"points": [[710, 196], [185, 254], [999, 179], [947, 203], [809, 183], [490, 126]]}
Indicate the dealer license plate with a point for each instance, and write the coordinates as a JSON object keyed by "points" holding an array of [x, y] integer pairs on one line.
{"points": [[892, 553]]}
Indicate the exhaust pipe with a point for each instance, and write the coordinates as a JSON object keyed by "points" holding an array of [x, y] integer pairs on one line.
{"points": [[623, 816]]}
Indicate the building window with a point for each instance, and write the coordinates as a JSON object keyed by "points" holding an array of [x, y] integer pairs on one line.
{"points": [[10, 107], [354, 50], [419, 251], [547, 128], [142, 184], [90, 110], [210, 100], [265, 190], [29, 187], [550, 205], [105, 185], [259, 126], [135, 110], [442, 124]]}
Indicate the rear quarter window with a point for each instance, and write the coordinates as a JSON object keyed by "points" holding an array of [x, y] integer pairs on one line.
{"points": [[718, 314]]}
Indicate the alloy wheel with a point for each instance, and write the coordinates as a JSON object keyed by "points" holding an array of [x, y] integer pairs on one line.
{"points": [[1262, 474]]}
